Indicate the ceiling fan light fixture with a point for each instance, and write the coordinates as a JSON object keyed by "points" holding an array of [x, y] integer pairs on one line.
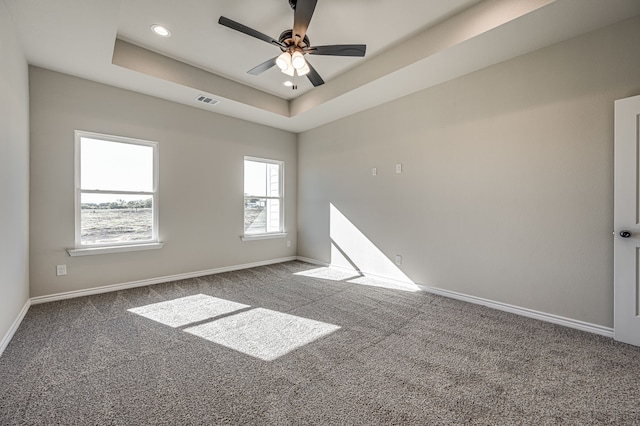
{"points": [[289, 71], [304, 70], [160, 30], [297, 60], [284, 61]]}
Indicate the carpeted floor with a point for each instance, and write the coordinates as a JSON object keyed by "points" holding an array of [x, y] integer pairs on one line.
{"points": [[268, 346]]}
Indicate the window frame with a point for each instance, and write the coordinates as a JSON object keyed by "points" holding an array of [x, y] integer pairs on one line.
{"points": [[87, 249], [281, 233]]}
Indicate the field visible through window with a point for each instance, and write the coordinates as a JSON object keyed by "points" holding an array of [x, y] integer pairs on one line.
{"points": [[102, 226], [255, 219]]}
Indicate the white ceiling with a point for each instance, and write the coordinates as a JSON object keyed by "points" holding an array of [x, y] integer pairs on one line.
{"points": [[411, 45]]}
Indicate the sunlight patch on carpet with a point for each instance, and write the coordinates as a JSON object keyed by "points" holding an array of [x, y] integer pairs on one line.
{"points": [[384, 283], [258, 332], [263, 333], [339, 273], [187, 310], [329, 273]]}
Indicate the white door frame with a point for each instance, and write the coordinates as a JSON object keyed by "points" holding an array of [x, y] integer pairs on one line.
{"points": [[626, 248]]}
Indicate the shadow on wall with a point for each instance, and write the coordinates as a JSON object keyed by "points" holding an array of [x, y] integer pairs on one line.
{"points": [[355, 259]]}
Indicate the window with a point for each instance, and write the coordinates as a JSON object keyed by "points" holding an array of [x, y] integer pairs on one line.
{"points": [[263, 197], [116, 192]]}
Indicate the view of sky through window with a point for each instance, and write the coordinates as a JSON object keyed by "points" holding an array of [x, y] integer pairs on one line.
{"points": [[114, 166]]}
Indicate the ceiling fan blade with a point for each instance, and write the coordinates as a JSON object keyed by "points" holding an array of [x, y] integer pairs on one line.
{"points": [[314, 77], [302, 17], [248, 31], [262, 67], [338, 50]]}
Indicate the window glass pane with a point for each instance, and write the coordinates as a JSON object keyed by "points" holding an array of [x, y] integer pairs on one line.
{"points": [[115, 218], [273, 180], [107, 165], [261, 215], [255, 215], [255, 178], [273, 215], [263, 196]]}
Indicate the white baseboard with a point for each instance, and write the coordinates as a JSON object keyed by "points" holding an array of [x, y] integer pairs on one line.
{"points": [[151, 281], [525, 312], [14, 327], [311, 261]]}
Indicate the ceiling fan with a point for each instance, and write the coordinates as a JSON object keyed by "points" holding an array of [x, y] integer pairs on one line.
{"points": [[294, 44]]}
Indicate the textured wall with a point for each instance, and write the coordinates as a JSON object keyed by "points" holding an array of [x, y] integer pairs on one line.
{"points": [[201, 183], [507, 184], [14, 175]]}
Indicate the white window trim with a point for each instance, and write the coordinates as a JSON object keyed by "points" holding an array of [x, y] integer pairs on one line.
{"points": [[86, 249], [266, 235], [113, 249]]}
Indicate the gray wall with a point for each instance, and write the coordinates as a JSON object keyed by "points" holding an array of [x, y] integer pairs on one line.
{"points": [[14, 175], [507, 184], [201, 183]]}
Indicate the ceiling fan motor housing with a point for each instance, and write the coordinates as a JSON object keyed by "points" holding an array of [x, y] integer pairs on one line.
{"points": [[286, 37]]}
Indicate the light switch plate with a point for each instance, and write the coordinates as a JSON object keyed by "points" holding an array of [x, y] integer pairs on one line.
{"points": [[61, 270]]}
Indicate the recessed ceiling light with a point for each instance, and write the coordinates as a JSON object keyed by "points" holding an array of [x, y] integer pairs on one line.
{"points": [[288, 83], [161, 30]]}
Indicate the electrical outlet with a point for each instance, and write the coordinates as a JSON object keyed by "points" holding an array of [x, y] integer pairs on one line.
{"points": [[398, 259], [398, 168], [61, 270], [374, 172], [288, 243]]}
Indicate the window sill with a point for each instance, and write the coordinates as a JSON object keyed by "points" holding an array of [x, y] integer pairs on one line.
{"points": [[255, 237], [88, 251]]}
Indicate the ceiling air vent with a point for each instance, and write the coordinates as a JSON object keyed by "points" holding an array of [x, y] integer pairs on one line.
{"points": [[207, 100]]}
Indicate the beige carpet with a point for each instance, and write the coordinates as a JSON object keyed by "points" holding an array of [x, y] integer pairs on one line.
{"points": [[270, 346]]}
